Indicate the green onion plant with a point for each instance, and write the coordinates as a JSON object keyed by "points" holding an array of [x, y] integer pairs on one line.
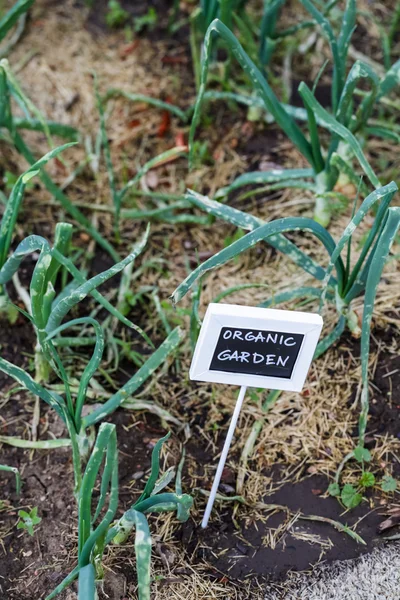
{"points": [[10, 216], [70, 401], [258, 35], [348, 127], [98, 528], [46, 309], [341, 281], [15, 16]]}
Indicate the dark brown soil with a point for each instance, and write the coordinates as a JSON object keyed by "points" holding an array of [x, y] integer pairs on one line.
{"points": [[238, 552]]}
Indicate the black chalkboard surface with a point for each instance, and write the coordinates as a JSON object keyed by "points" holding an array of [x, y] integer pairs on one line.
{"points": [[256, 352]]}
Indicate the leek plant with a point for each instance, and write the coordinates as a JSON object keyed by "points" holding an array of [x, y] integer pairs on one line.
{"points": [[46, 309], [97, 529], [341, 282], [348, 128], [15, 16], [11, 126], [259, 40], [46, 317], [11, 17], [10, 216], [96, 532]]}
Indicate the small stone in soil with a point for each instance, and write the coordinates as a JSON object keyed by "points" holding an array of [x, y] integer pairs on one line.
{"points": [[228, 489], [242, 548]]}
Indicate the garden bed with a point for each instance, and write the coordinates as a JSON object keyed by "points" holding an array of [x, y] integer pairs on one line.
{"points": [[249, 542]]}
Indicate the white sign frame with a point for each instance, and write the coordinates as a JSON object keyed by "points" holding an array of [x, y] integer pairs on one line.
{"points": [[267, 319]]}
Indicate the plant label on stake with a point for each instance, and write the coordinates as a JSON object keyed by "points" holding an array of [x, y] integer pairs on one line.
{"points": [[253, 347]]}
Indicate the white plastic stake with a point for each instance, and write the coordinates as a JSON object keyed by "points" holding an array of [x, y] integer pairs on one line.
{"points": [[224, 454]]}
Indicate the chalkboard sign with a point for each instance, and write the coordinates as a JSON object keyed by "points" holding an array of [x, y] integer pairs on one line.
{"points": [[257, 347], [256, 352]]}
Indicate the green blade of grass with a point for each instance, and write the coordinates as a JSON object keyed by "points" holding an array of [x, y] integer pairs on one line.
{"points": [[332, 125], [107, 155], [114, 92], [267, 29], [346, 31], [23, 101], [326, 28], [155, 468], [262, 233], [64, 584], [342, 166], [14, 202], [238, 288], [65, 202], [111, 463], [263, 177], [156, 359], [92, 365], [32, 243], [326, 342], [24, 379], [12, 16], [358, 277], [59, 129], [38, 445], [386, 239], [382, 193], [105, 443], [259, 83], [382, 132], [89, 287], [314, 136], [96, 539], [62, 242], [249, 222], [96, 295], [358, 72], [390, 81], [164, 156], [301, 292], [296, 112]]}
